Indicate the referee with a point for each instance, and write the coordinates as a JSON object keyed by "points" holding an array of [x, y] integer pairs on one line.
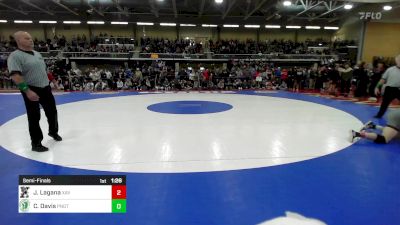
{"points": [[28, 70], [391, 79]]}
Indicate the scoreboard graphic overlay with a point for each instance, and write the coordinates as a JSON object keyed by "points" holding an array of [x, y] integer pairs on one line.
{"points": [[72, 194]]}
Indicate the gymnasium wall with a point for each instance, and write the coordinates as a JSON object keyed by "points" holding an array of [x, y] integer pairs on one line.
{"points": [[350, 30], [68, 30], [381, 39], [314, 34], [197, 33], [117, 30], [9, 29], [277, 34], [156, 32], [239, 34], [265, 34]]}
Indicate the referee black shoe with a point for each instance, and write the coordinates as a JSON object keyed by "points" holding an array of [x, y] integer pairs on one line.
{"points": [[39, 148], [56, 137]]}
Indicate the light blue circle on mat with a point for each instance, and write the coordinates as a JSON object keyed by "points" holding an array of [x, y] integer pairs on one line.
{"points": [[189, 107]]}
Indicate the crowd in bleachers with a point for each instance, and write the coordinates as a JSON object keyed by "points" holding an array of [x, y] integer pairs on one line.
{"points": [[277, 46], [7, 46], [336, 79], [78, 43], [108, 43], [156, 75], [155, 45]]}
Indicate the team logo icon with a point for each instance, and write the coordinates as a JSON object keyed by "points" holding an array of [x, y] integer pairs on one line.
{"points": [[24, 192], [24, 205]]}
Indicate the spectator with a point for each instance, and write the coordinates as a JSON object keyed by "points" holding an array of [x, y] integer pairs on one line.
{"points": [[120, 84], [361, 77]]}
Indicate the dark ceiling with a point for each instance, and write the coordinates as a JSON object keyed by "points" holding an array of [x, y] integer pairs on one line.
{"points": [[301, 12]]}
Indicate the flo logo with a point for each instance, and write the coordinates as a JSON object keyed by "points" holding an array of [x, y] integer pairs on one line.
{"points": [[24, 192], [24, 205], [370, 16]]}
